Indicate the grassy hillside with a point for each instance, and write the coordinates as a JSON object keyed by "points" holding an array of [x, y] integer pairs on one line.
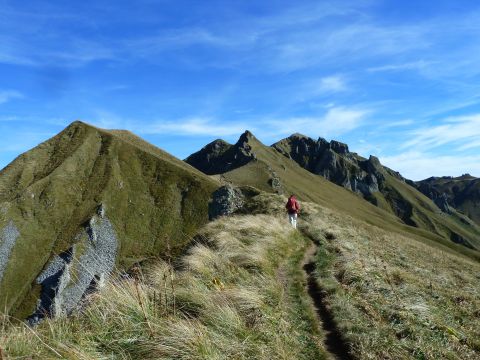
{"points": [[240, 293], [394, 297], [383, 187], [51, 193]]}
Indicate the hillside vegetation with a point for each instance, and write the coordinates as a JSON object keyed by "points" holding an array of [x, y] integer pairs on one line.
{"points": [[394, 297], [99, 197], [240, 293]]}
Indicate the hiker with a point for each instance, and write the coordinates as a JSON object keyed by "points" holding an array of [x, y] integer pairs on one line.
{"points": [[293, 207]]}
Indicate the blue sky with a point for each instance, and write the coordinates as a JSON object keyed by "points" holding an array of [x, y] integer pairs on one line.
{"points": [[397, 79]]}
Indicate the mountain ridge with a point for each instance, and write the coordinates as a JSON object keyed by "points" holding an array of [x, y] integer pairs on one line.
{"points": [[379, 185]]}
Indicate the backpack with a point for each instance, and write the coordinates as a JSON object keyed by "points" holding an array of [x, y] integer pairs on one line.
{"points": [[292, 205]]}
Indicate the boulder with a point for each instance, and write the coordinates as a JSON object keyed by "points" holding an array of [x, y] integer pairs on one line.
{"points": [[226, 200]]}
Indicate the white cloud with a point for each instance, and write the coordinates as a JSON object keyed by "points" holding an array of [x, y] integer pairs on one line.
{"points": [[418, 165], [336, 121], [334, 83], [194, 126], [7, 95], [462, 132], [414, 65], [190, 126]]}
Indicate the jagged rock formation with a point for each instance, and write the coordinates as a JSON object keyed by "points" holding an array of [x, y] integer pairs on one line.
{"points": [[461, 193], [335, 162], [83, 202], [219, 156]]}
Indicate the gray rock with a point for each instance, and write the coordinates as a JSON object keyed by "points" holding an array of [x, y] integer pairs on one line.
{"points": [[8, 237], [62, 291], [339, 147], [442, 202], [275, 183], [225, 201]]}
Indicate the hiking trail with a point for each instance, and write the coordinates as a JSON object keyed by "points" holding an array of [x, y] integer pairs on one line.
{"points": [[334, 341]]}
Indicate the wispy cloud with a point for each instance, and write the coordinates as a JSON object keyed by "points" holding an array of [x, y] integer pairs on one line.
{"points": [[462, 132], [336, 121], [334, 83], [194, 127], [414, 65], [7, 95], [417, 165]]}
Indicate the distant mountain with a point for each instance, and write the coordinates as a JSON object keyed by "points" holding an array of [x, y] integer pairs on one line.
{"points": [[84, 202], [299, 164], [461, 193]]}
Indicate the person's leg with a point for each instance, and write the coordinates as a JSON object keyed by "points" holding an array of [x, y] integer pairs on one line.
{"points": [[291, 219], [294, 222]]}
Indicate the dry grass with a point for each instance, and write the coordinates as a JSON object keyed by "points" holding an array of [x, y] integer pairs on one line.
{"points": [[394, 297], [237, 294]]}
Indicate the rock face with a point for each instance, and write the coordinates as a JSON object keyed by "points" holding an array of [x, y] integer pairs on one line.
{"points": [[335, 162], [64, 282], [219, 157], [461, 193], [83, 202]]}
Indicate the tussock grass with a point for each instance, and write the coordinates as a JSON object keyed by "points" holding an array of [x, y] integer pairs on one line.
{"points": [[237, 294], [394, 297]]}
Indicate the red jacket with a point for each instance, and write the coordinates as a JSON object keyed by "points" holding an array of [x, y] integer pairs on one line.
{"points": [[293, 207]]}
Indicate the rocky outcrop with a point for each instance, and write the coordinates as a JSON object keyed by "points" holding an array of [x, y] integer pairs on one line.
{"points": [[206, 159], [461, 193], [8, 237], [225, 201], [219, 157], [72, 274], [442, 203], [335, 162]]}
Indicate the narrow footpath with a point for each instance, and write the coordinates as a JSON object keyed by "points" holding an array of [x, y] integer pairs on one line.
{"points": [[335, 344]]}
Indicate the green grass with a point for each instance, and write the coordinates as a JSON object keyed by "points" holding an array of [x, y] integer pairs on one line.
{"points": [[52, 190], [240, 293], [394, 297], [237, 294]]}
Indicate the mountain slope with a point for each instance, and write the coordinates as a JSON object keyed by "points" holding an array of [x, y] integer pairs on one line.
{"points": [[83, 202], [270, 169], [241, 292], [461, 193], [378, 184]]}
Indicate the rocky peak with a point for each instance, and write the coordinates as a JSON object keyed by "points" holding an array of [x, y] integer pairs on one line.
{"points": [[219, 156], [246, 137], [374, 165], [339, 147], [217, 146]]}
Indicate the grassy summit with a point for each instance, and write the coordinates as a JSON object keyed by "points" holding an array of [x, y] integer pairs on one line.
{"points": [[51, 194]]}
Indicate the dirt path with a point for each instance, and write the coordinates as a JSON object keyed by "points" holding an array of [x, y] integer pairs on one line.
{"points": [[334, 342]]}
